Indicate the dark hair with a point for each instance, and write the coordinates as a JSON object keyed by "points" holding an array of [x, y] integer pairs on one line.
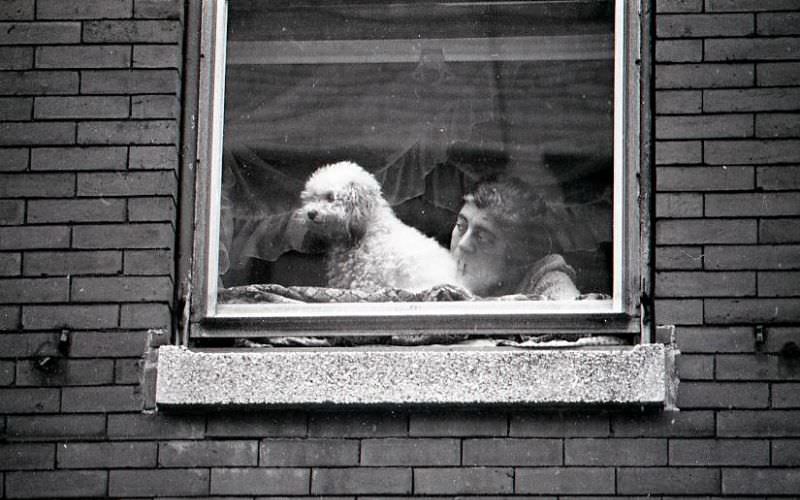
{"points": [[520, 212]]}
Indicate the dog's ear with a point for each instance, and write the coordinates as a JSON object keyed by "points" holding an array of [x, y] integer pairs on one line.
{"points": [[360, 201]]}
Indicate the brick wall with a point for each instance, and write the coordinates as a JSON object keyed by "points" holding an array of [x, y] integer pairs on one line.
{"points": [[89, 131]]}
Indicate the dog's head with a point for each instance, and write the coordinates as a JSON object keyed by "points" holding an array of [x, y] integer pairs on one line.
{"points": [[339, 200]]}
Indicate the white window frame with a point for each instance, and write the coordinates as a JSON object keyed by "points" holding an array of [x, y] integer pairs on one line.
{"points": [[623, 314]]}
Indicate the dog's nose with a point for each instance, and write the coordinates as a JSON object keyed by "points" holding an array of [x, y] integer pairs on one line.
{"points": [[312, 214]]}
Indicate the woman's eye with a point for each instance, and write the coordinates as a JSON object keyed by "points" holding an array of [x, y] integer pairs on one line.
{"points": [[461, 226]]}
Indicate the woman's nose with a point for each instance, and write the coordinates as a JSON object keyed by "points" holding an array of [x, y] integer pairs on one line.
{"points": [[465, 244]]}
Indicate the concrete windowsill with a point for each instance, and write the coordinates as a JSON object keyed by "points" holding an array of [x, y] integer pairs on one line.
{"points": [[286, 378]]}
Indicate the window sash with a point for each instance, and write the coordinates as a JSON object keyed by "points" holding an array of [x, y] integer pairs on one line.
{"points": [[631, 222]]}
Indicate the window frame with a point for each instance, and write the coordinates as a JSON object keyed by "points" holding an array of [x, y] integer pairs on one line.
{"points": [[630, 312]]}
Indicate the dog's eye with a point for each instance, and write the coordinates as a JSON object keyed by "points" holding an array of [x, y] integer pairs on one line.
{"points": [[330, 197]]}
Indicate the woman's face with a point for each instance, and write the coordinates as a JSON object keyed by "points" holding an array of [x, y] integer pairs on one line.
{"points": [[480, 250]]}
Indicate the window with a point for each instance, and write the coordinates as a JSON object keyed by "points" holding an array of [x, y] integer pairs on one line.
{"points": [[506, 134]]}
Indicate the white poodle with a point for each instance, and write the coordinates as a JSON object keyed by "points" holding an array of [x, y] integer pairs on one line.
{"points": [[368, 246]]}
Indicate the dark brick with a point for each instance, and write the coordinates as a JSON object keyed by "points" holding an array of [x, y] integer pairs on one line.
{"points": [[83, 56], [81, 107], [702, 127], [556, 425], [751, 49], [763, 367], [15, 108], [744, 100], [7, 373], [512, 452], [9, 320], [665, 424], [177, 482], [721, 178], [153, 158], [778, 337], [28, 344], [732, 311], [76, 210], [778, 125], [668, 481], [778, 178], [10, 264], [715, 340], [138, 81], [14, 159], [11, 212], [155, 426], [31, 33], [760, 481], [752, 204], [693, 76], [464, 481], [308, 452], [705, 25], [284, 424], [61, 484], [786, 395], [127, 183], [458, 424], [148, 262], [749, 5], [676, 6], [565, 480], [722, 395], [56, 427], [70, 372], [36, 133], [604, 452], [27, 456], [781, 73], [126, 132], [705, 231], [121, 289], [679, 312], [679, 258], [373, 480], [132, 31], [106, 455], [779, 231], [746, 152], [127, 371], [259, 481], [152, 209], [786, 452], [760, 424], [155, 106], [149, 316], [160, 9], [37, 185], [105, 344], [710, 452], [86, 9], [679, 101], [208, 453], [29, 400], [32, 290], [779, 284], [74, 316], [72, 263], [81, 158], [700, 284], [156, 56], [679, 205], [784, 23], [15, 58], [695, 367], [101, 399], [17, 9], [679, 51], [678, 152], [34, 237], [38, 83], [124, 236], [781, 257]]}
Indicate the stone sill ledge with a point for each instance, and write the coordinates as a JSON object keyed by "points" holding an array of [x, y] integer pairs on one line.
{"points": [[641, 375]]}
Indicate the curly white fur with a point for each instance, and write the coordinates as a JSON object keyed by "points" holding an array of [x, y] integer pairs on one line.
{"points": [[369, 247]]}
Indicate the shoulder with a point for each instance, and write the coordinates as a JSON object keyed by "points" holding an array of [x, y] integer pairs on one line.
{"points": [[552, 278]]}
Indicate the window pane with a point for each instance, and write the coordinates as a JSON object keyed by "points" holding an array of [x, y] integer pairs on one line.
{"points": [[434, 100]]}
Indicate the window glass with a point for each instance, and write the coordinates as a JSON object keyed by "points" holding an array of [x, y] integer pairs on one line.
{"points": [[487, 127]]}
